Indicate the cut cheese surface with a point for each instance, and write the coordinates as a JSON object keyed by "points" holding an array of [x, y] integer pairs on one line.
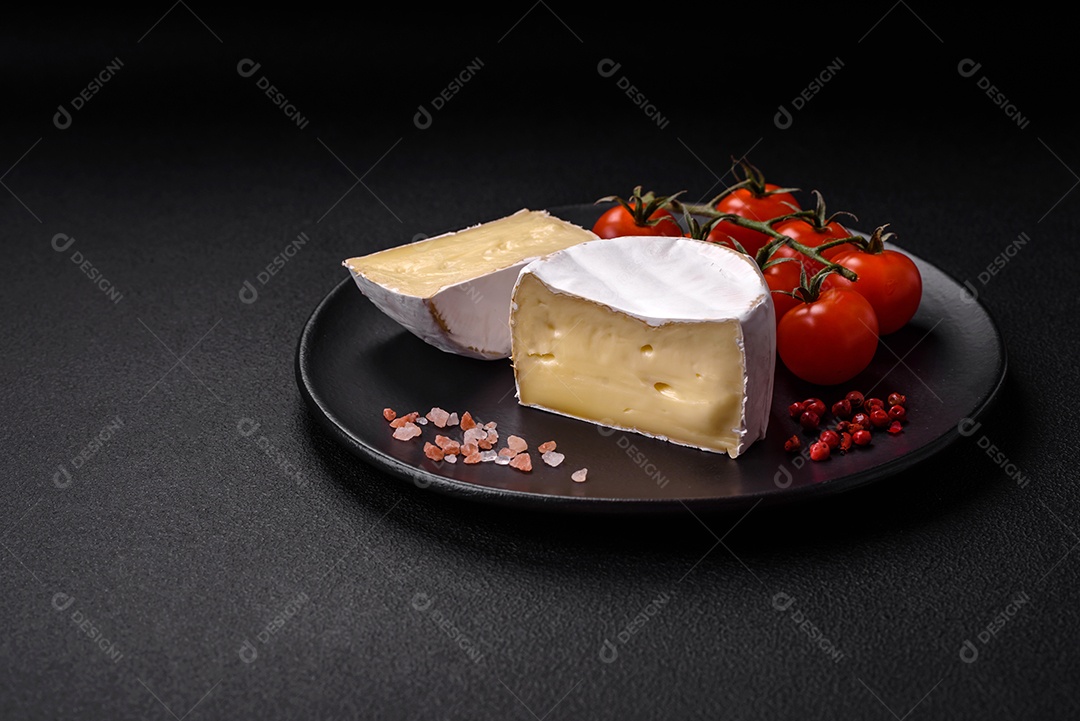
{"points": [[427, 266], [453, 290], [669, 337]]}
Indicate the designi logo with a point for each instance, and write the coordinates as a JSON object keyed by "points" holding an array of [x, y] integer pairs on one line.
{"points": [[62, 601]]}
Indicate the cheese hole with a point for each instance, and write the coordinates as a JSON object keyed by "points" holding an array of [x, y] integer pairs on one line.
{"points": [[646, 349], [665, 389]]}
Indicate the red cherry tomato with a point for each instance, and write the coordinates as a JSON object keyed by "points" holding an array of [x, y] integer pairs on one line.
{"points": [[889, 280], [829, 340], [617, 222], [806, 233], [744, 203], [782, 277]]}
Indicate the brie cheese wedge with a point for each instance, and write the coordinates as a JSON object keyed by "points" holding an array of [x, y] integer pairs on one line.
{"points": [[453, 290], [669, 337]]}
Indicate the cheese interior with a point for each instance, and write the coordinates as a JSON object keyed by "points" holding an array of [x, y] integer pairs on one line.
{"points": [[680, 380], [423, 268]]}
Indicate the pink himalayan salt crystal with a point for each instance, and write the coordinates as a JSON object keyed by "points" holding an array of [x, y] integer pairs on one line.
{"points": [[452, 419], [546, 446], [402, 420], [579, 476], [474, 436], [438, 416], [449, 445], [552, 458], [517, 444], [407, 432], [522, 462]]}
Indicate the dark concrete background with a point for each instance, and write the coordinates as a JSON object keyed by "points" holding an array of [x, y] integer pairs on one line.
{"points": [[177, 541]]}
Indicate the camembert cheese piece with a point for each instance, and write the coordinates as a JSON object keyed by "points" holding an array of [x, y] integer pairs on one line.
{"points": [[453, 290], [669, 337]]}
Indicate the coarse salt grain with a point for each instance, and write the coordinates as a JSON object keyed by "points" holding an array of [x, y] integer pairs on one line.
{"points": [[517, 444], [467, 421], [474, 435], [502, 460], [433, 452], [389, 414], [450, 459], [488, 456], [407, 432], [402, 420], [438, 416], [473, 458], [522, 462], [546, 446], [552, 458], [579, 476], [452, 419]]}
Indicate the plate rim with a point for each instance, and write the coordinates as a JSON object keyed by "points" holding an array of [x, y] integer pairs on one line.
{"points": [[428, 480]]}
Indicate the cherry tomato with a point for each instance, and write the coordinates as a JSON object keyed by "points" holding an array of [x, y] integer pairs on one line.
{"points": [[889, 280], [785, 277], [806, 233], [617, 222], [744, 203], [829, 340]]}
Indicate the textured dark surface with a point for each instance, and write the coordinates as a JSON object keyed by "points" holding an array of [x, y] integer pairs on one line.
{"points": [[182, 540]]}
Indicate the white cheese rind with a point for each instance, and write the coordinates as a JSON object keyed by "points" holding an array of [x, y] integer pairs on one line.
{"points": [[663, 283], [470, 317]]}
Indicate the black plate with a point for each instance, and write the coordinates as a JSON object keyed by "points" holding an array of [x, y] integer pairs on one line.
{"points": [[353, 361]]}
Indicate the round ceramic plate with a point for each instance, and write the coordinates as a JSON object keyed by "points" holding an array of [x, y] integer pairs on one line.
{"points": [[353, 361]]}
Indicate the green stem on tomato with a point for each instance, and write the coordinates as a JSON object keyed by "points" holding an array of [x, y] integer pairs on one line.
{"points": [[819, 219], [641, 206], [700, 231], [849, 240], [876, 243], [809, 289], [776, 237], [753, 181]]}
